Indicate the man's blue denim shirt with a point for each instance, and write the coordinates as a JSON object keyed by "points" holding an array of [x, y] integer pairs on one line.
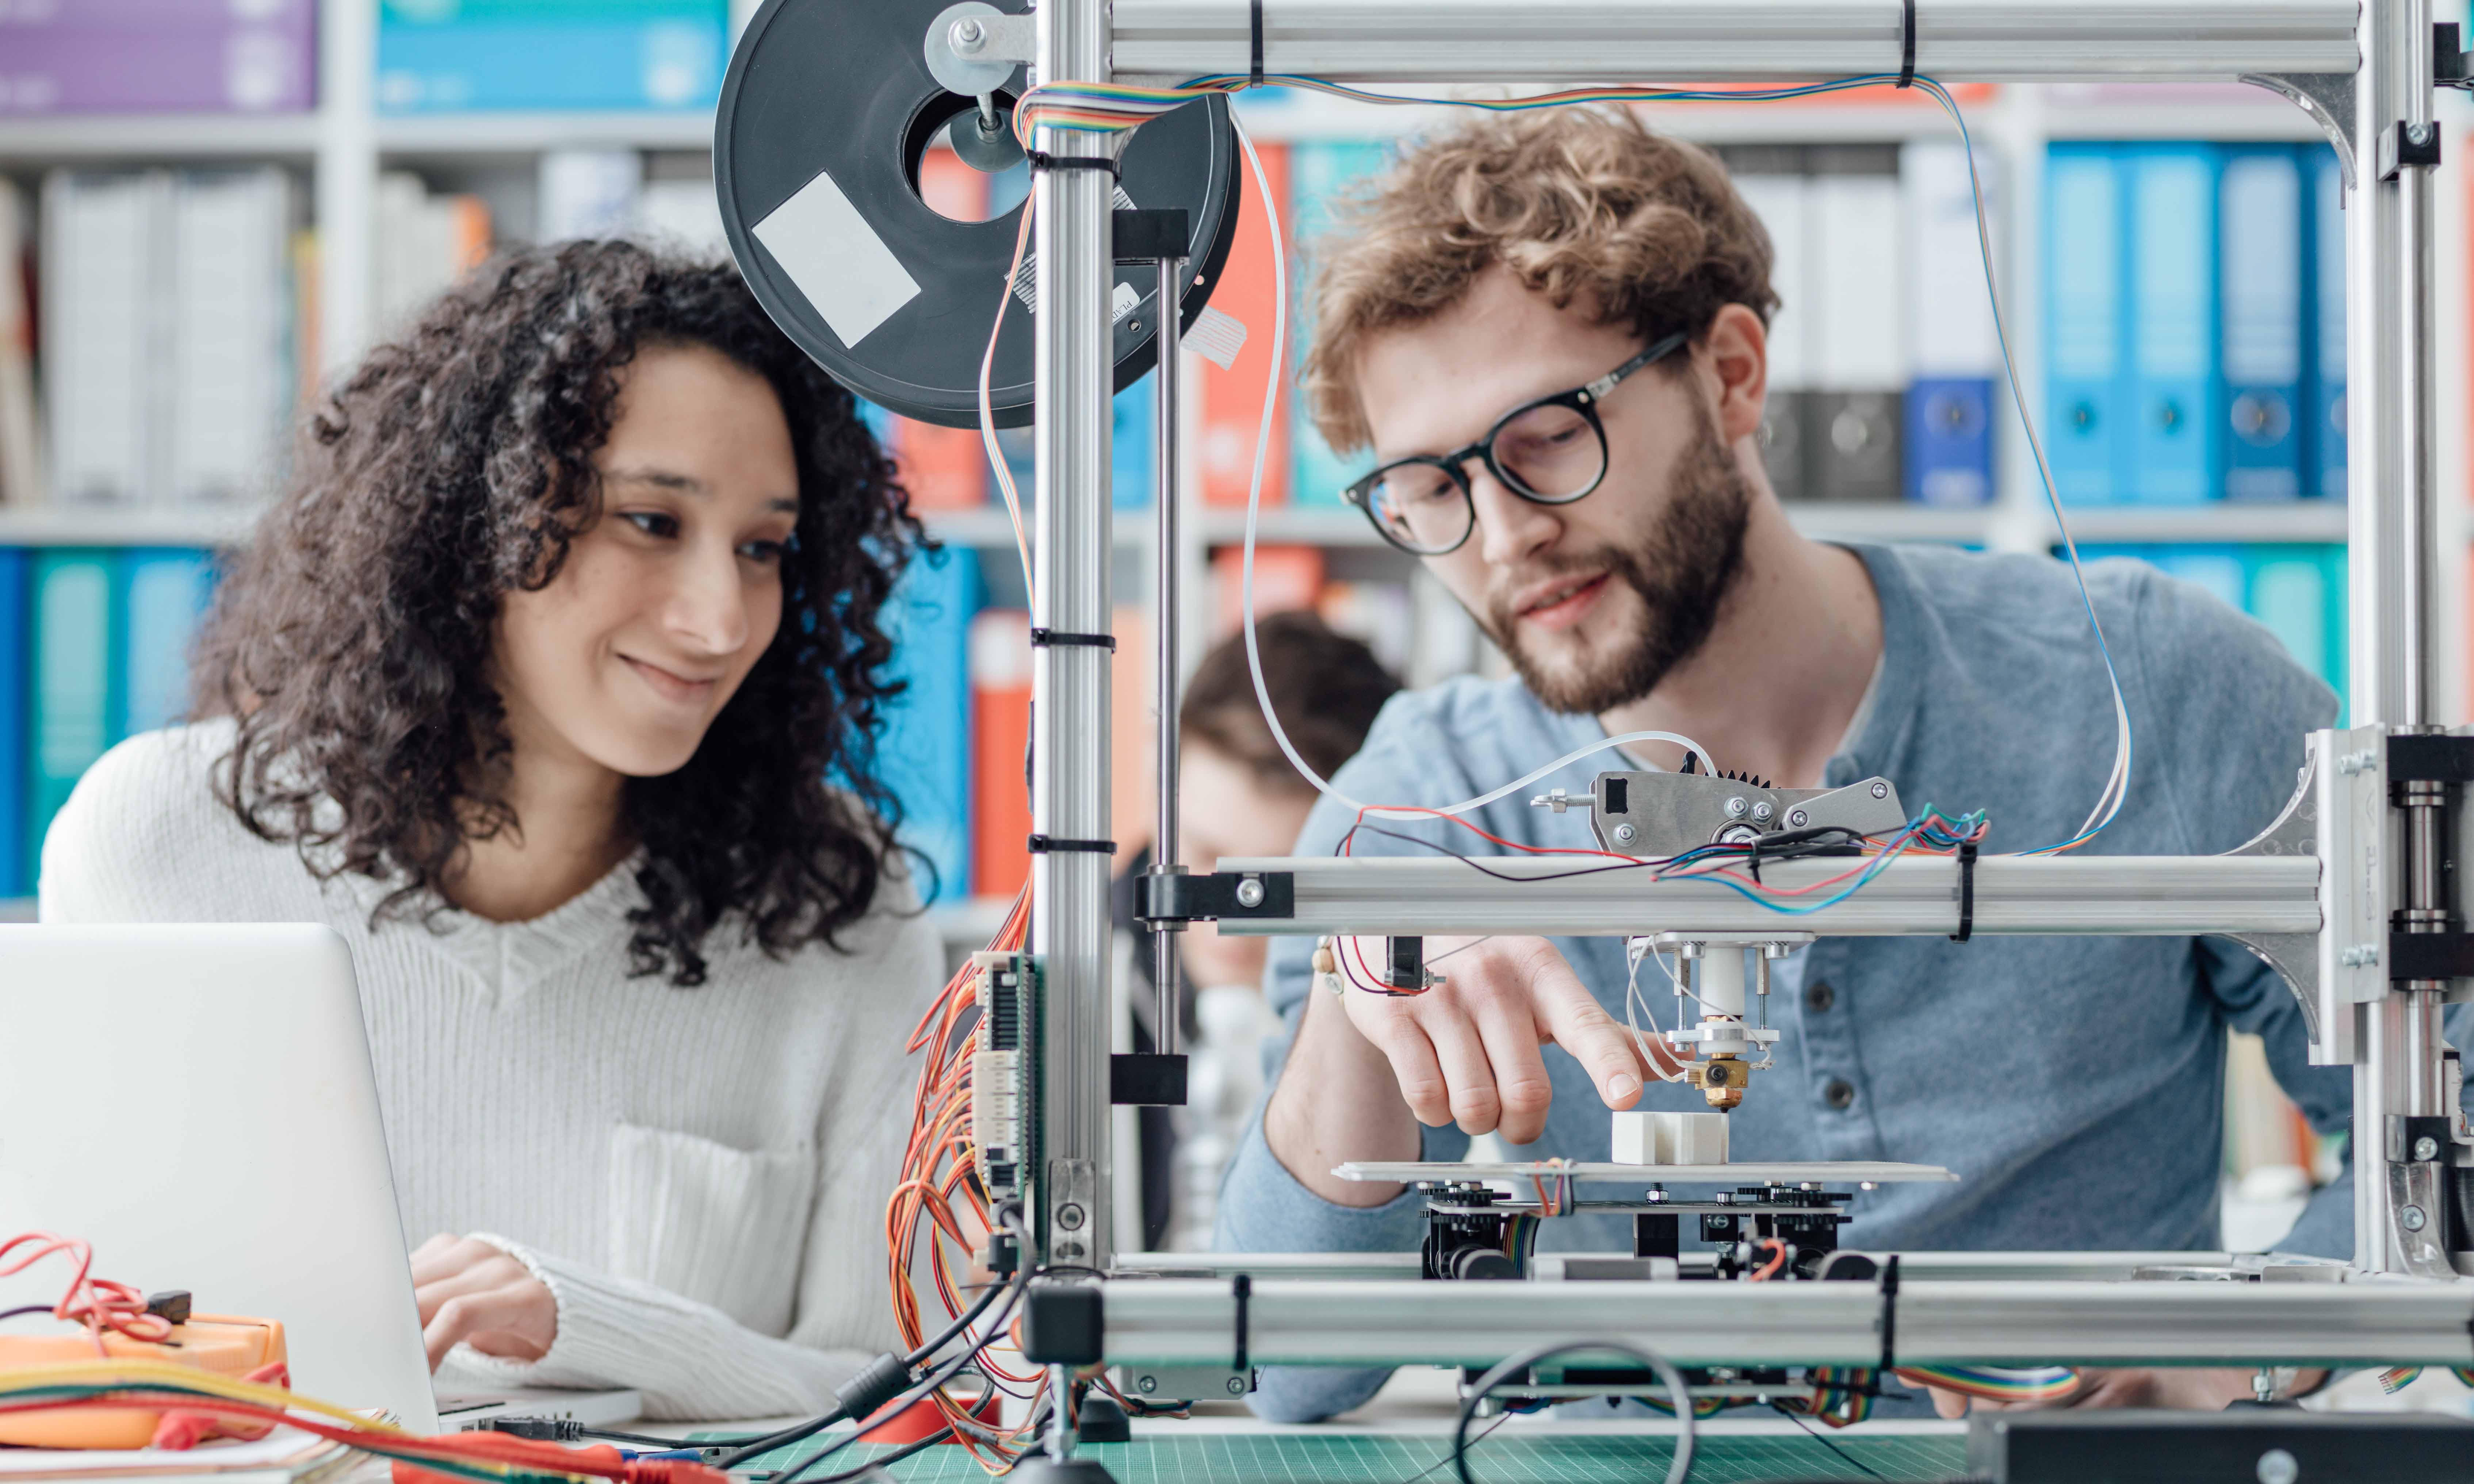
{"points": [[2075, 1084]]}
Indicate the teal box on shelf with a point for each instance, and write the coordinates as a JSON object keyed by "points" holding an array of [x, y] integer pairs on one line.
{"points": [[2086, 385], [1318, 174], [923, 751], [452, 56], [2177, 446]]}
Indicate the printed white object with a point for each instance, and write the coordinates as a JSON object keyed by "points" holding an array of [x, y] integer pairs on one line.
{"points": [[1642, 1137]]}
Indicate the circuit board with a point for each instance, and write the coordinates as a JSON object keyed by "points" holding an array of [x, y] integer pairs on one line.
{"points": [[1396, 1458]]}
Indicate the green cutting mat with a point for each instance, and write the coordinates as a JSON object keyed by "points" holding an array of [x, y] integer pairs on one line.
{"points": [[1365, 1458]]}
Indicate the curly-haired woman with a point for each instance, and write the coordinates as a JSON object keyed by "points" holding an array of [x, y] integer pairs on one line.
{"points": [[531, 685]]}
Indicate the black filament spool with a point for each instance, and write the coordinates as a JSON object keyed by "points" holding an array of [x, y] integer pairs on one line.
{"points": [[841, 89]]}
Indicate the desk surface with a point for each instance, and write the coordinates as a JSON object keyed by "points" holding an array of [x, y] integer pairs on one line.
{"points": [[1596, 1454]]}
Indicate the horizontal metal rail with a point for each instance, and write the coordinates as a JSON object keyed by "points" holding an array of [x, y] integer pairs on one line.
{"points": [[2176, 895], [1288, 1321], [1536, 42], [1950, 1266]]}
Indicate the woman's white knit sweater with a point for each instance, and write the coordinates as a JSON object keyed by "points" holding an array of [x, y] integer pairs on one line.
{"points": [[699, 1175]]}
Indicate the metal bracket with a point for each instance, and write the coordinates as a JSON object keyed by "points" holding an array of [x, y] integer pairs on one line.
{"points": [[2418, 1195], [2328, 97], [1641, 813], [1209, 898], [2296, 956], [1073, 1208], [2405, 146], [972, 47]]}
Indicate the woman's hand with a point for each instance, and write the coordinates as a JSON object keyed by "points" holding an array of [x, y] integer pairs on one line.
{"points": [[470, 1292]]}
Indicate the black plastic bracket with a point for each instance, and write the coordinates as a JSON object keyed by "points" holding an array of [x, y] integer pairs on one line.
{"points": [[2430, 956], [2430, 758], [1167, 897], [2409, 147], [1145, 235], [1062, 1324], [2448, 56], [1146, 1081]]}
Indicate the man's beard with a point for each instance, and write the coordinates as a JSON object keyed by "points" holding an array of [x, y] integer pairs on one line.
{"points": [[1682, 567]]}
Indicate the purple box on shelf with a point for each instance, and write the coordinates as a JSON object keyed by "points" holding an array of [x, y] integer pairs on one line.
{"points": [[191, 56]]}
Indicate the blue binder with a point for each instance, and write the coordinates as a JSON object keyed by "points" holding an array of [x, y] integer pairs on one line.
{"points": [[1130, 441], [2324, 447], [1318, 173], [2174, 453], [923, 749], [1950, 441], [2216, 568], [2262, 411], [164, 594], [16, 718], [2084, 268]]}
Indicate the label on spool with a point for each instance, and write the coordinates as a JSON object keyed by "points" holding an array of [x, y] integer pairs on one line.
{"points": [[848, 273]]}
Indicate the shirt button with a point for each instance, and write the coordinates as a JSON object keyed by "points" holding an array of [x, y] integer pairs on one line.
{"points": [[1819, 996], [1839, 1094]]}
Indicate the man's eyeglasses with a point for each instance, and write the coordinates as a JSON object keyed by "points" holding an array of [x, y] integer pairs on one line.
{"points": [[1551, 451]]}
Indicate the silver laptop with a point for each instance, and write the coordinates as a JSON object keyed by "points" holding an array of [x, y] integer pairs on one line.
{"points": [[197, 1102]]}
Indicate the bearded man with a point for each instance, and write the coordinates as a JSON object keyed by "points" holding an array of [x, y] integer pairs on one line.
{"points": [[1551, 328]]}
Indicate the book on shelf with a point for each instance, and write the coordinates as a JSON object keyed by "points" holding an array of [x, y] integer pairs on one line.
{"points": [[2196, 322], [159, 57], [1231, 399], [94, 645], [425, 243], [923, 749], [1321, 177], [21, 449], [444, 56], [1000, 642], [166, 348]]}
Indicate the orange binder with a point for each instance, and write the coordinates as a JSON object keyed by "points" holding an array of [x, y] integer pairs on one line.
{"points": [[1232, 400], [1000, 712]]}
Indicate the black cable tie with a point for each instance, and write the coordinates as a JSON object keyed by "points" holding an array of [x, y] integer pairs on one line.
{"points": [[1966, 893], [1254, 28], [1042, 845], [1043, 637], [1907, 45], [1242, 1287], [1889, 1319], [1041, 159]]}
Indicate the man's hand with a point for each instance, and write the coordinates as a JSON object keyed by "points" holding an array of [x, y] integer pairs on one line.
{"points": [[1466, 1051], [2171, 1388], [471, 1292], [1365, 1072]]}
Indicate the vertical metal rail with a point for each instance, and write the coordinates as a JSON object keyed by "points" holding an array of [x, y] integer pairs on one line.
{"points": [[1069, 791], [1166, 619], [2391, 524]]}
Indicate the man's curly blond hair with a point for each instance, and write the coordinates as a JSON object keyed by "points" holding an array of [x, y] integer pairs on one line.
{"points": [[1584, 205]]}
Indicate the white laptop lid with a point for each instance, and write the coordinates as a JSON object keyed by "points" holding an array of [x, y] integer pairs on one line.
{"points": [[197, 1102]]}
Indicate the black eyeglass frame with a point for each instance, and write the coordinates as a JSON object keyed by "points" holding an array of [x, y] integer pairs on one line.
{"points": [[1583, 399]]}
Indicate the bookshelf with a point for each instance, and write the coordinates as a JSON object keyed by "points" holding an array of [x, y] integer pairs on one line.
{"points": [[346, 142]]}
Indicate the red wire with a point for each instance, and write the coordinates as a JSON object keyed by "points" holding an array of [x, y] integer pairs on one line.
{"points": [[97, 1302]]}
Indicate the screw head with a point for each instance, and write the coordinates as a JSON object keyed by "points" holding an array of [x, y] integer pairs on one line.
{"points": [[1626, 834], [1069, 1216], [1146, 1384], [1236, 1385], [1071, 1252], [1881, 790], [2276, 1465], [967, 35], [1798, 818], [1738, 807], [1762, 811], [2426, 1148], [2412, 1218], [1249, 892]]}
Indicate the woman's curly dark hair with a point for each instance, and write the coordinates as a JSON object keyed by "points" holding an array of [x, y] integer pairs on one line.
{"points": [[351, 644]]}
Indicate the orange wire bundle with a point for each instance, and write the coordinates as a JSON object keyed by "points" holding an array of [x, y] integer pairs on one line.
{"points": [[940, 1195]]}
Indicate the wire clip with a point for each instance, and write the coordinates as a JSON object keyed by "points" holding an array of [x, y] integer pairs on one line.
{"points": [[1254, 44], [1966, 893], [1907, 45], [1043, 845], [1041, 159], [1045, 639], [1241, 1288]]}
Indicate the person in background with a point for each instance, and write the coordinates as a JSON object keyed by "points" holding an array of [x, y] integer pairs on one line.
{"points": [[1238, 795], [529, 686]]}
